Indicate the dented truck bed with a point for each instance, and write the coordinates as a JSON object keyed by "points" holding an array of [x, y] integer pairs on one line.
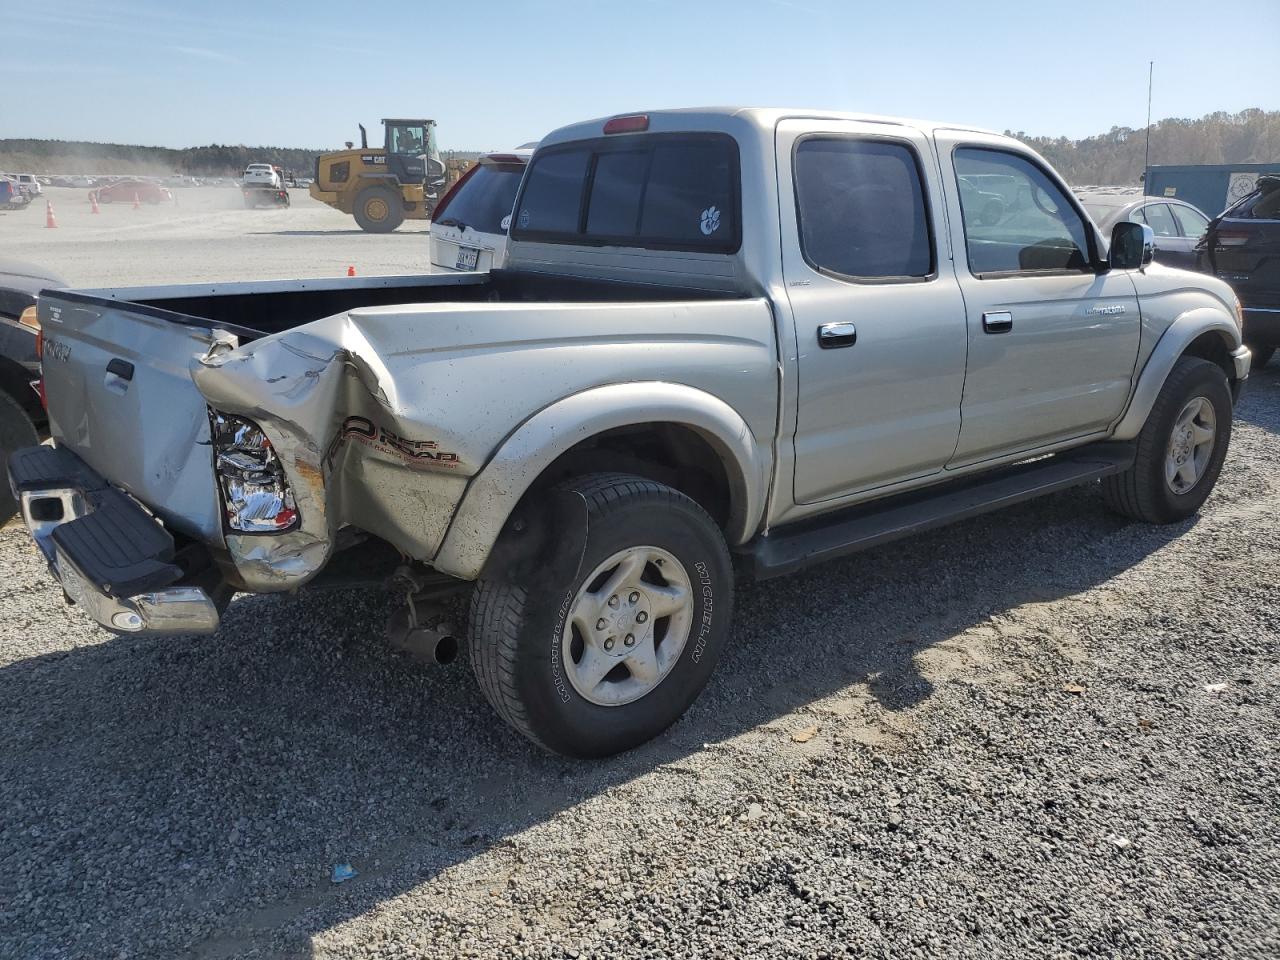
{"points": [[365, 395]]}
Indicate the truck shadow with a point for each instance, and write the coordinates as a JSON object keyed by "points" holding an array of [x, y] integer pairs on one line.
{"points": [[192, 794], [1257, 406]]}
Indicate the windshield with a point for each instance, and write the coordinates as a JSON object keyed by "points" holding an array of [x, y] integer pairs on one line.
{"points": [[483, 202]]}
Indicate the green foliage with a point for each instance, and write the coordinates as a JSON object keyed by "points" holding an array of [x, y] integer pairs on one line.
{"points": [[71, 156], [1115, 157]]}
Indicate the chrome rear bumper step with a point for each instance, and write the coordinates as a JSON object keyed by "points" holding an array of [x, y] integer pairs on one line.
{"points": [[112, 558]]}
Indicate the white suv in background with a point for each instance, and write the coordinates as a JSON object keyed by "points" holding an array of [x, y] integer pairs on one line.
{"points": [[469, 225], [29, 184], [261, 174]]}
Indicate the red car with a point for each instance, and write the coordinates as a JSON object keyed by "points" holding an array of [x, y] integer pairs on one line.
{"points": [[123, 191]]}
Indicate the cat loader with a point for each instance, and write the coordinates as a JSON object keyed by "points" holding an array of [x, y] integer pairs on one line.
{"points": [[383, 187]]}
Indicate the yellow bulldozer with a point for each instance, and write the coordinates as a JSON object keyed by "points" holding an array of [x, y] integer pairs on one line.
{"points": [[384, 187]]}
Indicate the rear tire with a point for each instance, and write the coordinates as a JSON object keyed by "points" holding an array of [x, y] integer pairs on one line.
{"points": [[1194, 401], [1260, 356], [609, 660], [16, 431], [378, 209]]}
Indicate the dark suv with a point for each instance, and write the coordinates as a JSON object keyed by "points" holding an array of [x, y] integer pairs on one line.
{"points": [[1242, 246]]}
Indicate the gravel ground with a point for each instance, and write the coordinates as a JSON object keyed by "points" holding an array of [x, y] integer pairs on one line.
{"points": [[1044, 733], [206, 235]]}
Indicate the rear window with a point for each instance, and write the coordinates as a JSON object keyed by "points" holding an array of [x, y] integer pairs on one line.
{"points": [[1262, 204], [484, 201], [658, 191]]}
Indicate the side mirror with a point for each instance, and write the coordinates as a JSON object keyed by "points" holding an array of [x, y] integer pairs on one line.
{"points": [[1133, 246]]}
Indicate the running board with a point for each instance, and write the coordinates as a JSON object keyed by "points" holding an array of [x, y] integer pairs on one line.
{"points": [[867, 525]]}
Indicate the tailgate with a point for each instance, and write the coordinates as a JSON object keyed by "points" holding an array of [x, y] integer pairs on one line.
{"points": [[120, 393]]}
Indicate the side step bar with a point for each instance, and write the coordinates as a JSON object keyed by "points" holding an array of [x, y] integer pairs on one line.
{"points": [[792, 547]]}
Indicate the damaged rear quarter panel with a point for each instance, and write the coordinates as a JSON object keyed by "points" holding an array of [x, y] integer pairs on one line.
{"points": [[381, 416]]}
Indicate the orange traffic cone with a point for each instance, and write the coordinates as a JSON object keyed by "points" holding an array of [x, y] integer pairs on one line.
{"points": [[93, 203], [50, 221], [137, 204], [351, 271]]}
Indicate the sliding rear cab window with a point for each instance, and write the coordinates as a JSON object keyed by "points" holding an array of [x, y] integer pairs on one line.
{"points": [[656, 191]]}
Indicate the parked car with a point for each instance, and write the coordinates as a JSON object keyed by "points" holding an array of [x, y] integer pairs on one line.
{"points": [[778, 335], [469, 224], [1242, 246], [29, 184], [1178, 226], [11, 196], [22, 417], [124, 191], [262, 175]]}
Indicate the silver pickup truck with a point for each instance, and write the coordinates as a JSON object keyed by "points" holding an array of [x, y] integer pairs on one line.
{"points": [[729, 342]]}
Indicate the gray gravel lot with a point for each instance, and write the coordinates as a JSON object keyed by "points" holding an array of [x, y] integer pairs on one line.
{"points": [[995, 740]]}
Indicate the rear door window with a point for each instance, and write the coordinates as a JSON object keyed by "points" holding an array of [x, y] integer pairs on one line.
{"points": [[862, 209], [1158, 217], [658, 191], [1191, 223]]}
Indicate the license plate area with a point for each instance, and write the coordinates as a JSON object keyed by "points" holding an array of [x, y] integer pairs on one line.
{"points": [[468, 258]]}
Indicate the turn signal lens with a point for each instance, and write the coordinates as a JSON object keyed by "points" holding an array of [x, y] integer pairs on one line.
{"points": [[255, 492]]}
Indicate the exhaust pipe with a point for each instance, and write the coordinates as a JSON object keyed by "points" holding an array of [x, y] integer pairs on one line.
{"points": [[433, 645]]}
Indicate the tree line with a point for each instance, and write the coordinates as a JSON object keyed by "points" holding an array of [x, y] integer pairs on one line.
{"points": [[1116, 157]]}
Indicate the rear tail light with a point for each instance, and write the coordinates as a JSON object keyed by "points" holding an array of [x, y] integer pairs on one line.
{"points": [[255, 492], [635, 123], [1231, 238], [29, 318]]}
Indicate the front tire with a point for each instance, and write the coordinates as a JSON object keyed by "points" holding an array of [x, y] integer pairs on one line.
{"points": [[378, 210], [601, 659], [1180, 449]]}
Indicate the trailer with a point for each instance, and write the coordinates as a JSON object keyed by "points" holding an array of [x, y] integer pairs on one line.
{"points": [[1210, 186]]}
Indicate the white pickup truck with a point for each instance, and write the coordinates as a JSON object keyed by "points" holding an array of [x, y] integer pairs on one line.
{"points": [[729, 341]]}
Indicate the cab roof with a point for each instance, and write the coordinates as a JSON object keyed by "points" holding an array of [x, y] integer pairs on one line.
{"points": [[762, 118]]}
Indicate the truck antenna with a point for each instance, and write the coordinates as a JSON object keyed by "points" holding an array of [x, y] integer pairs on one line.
{"points": [[1146, 156]]}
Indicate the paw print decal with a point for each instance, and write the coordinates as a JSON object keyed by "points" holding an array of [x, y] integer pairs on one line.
{"points": [[710, 221]]}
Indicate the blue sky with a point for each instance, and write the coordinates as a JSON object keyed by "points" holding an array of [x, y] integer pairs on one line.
{"points": [[496, 73]]}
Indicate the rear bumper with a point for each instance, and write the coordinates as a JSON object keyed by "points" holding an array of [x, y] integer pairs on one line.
{"points": [[111, 557]]}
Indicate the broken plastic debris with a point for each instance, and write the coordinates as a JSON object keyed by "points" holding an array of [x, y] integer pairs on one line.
{"points": [[1122, 843], [1075, 688], [343, 872], [1215, 687]]}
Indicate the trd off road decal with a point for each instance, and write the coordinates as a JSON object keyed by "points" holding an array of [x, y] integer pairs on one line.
{"points": [[415, 453]]}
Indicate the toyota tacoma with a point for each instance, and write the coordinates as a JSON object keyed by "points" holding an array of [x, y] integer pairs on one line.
{"points": [[728, 343]]}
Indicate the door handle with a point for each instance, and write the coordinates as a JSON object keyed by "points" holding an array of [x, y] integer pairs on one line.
{"points": [[120, 368], [833, 335], [1000, 321]]}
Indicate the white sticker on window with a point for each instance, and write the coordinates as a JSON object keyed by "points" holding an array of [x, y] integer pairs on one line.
{"points": [[505, 225], [710, 221]]}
